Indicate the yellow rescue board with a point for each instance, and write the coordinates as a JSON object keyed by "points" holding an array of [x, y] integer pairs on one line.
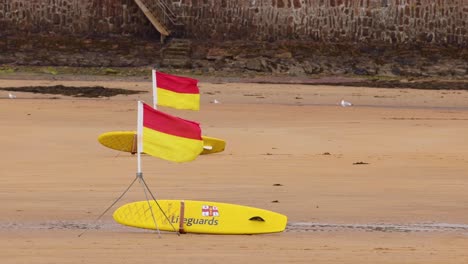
{"points": [[125, 141], [200, 217]]}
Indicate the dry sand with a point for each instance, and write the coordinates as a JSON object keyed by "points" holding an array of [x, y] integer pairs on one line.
{"points": [[408, 204]]}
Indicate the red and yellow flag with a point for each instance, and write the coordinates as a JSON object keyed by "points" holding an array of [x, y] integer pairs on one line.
{"points": [[176, 91], [169, 137]]}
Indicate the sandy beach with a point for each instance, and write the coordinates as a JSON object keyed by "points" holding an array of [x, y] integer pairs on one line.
{"points": [[383, 181]]}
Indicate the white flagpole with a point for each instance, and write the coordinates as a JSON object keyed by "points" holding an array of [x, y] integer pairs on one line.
{"points": [[140, 173], [139, 135], [155, 89]]}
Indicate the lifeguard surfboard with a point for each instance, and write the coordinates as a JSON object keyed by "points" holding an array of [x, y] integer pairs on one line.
{"points": [[200, 217], [126, 141]]}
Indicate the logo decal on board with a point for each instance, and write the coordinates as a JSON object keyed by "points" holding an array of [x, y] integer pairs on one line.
{"points": [[208, 210]]}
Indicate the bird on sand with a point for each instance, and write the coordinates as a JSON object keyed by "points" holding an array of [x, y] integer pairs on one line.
{"points": [[344, 103]]}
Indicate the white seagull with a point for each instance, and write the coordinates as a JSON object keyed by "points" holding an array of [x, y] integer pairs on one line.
{"points": [[11, 96], [344, 103]]}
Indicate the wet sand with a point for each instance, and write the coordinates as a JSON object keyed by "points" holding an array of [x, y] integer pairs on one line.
{"points": [[383, 181]]}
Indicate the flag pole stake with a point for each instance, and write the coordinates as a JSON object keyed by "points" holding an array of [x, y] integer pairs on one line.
{"points": [[108, 208], [160, 208], [140, 179]]}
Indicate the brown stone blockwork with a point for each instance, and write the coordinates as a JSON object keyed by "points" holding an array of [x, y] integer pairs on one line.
{"points": [[76, 17], [388, 21]]}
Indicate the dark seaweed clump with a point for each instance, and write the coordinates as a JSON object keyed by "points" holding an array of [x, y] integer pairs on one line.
{"points": [[82, 91]]}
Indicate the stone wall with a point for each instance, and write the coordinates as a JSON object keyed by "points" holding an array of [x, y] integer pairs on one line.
{"points": [[74, 17], [389, 21]]}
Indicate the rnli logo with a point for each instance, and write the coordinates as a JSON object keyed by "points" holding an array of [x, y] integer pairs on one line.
{"points": [[208, 210]]}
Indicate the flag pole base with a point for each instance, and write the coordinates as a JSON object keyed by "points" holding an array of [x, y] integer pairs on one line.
{"points": [[139, 175]]}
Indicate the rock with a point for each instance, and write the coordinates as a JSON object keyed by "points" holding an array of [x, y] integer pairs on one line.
{"points": [[360, 71], [311, 67], [254, 65], [283, 55], [218, 54], [296, 70]]}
